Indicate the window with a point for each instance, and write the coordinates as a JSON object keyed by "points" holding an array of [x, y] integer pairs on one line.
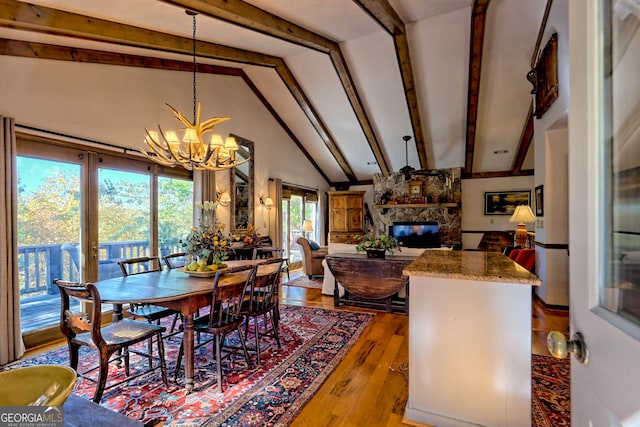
{"points": [[620, 168]]}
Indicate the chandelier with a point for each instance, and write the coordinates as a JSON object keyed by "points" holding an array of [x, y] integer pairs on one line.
{"points": [[193, 153]]}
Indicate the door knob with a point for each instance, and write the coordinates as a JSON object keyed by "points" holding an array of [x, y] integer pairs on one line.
{"points": [[560, 348]]}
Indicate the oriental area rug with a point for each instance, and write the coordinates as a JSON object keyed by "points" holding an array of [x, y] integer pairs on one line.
{"points": [[304, 282], [314, 341], [551, 391]]}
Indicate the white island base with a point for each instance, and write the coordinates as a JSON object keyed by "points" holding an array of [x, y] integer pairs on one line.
{"points": [[469, 350]]}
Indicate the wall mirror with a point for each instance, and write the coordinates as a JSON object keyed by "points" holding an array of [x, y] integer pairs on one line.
{"points": [[241, 186]]}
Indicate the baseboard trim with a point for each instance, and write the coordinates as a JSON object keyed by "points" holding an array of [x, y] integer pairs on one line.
{"points": [[559, 309]]}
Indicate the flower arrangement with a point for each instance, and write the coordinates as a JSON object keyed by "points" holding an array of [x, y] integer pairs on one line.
{"points": [[380, 242], [208, 243], [249, 237], [207, 213]]}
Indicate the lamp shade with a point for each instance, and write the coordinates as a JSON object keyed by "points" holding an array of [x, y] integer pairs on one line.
{"points": [[307, 225], [268, 203], [522, 214]]}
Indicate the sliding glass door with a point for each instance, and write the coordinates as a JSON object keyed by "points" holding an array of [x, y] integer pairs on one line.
{"points": [[80, 211], [49, 224], [296, 208], [124, 219]]}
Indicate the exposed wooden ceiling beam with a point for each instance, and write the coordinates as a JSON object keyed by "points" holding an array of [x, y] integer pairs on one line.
{"points": [[478, 18], [64, 53], [30, 17], [499, 174], [386, 16], [251, 17], [246, 15], [525, 142]]}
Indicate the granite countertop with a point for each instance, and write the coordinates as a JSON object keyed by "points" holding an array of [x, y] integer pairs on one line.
{"points": [[471, 265]]}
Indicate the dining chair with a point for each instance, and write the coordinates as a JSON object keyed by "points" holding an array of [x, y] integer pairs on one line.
{"points": [[271, 252], [262, 301], [84, 329], [224, 317], [151, 313], [279, 253], [176, 260]]}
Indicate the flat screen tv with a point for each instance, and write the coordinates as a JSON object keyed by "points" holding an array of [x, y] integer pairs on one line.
{"points": [[416, 234]]}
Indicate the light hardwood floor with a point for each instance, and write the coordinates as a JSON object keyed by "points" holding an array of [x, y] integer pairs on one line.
{"points": [[369, 387]]}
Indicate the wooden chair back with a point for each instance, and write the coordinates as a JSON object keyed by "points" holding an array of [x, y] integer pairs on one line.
{"points": [[263, 294], [72, 323], [227, 298], [176, 260], [139, 265]]}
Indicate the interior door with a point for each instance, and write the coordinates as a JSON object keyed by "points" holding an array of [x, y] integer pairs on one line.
{"points": [[604, 45]]}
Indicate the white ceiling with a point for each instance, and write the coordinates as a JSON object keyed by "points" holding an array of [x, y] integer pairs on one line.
{"points": [[439, 37]]}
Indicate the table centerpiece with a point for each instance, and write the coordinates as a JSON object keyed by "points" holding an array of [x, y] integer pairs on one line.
{"points": [[206, 244], [377, 245]]}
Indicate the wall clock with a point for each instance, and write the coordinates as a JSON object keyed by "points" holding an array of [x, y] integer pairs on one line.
{"points": [[415, 190]]}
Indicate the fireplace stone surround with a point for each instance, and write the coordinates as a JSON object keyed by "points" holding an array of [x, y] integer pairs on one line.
{"points": [[440, 202]]}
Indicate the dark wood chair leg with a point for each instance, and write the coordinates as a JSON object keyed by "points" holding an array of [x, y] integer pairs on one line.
{"points": [[256, 333], [274, 324], [73, 355], [163, 364], [125, 353], [218, 362], [178, 362], [244, 348], [102, 377]]}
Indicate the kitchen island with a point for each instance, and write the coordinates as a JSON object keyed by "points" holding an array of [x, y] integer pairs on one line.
{"points": [[469, 340]]}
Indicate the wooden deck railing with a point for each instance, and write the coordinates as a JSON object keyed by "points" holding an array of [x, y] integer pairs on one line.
{"points": [[39, 265]]}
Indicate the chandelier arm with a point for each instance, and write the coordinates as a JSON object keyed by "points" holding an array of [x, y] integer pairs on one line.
{"points": [[158, 160], [220, 167], [181, 117], [208, 153], [159, 151], [208, 124]]}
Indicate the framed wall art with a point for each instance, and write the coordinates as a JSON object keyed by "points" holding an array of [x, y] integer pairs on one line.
{"points": [[544, 77], [505, 202], [539, 201]]}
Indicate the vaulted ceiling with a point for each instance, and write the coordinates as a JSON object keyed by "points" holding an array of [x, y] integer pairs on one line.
{"points": [[346, 79]]}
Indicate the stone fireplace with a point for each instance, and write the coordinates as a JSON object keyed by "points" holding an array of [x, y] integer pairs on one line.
{"points": [[438, 200]]}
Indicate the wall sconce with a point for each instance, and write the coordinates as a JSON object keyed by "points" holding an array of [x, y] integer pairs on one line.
{"points": [[266, 202], [223, 198]]}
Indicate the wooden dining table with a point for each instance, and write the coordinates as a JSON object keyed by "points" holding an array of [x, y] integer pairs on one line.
{"points": [[173, 289]]}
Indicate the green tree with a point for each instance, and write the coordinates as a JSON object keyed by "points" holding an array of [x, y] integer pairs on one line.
{"points": [[175, 212], [51, 213]]}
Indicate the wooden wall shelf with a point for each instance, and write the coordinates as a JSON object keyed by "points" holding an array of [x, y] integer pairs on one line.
{"points": [[420, 205]]}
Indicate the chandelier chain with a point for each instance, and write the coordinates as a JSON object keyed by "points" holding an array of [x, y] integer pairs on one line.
{"points": [[194, 67]]}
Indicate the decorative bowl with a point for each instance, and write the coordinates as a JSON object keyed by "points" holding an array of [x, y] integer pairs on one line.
{"points": [[207, 273], [22, 386]]}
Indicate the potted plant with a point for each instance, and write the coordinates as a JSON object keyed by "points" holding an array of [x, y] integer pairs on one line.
{"points": [[377, 245]]}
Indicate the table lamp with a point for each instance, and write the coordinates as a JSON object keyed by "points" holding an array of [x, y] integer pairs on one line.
{"points": [[307, 226], [522, 214]]}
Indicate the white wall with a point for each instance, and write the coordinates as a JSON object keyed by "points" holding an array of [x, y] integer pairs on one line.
{"points": [[551, 170], [474, 221], [114, 104]]}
